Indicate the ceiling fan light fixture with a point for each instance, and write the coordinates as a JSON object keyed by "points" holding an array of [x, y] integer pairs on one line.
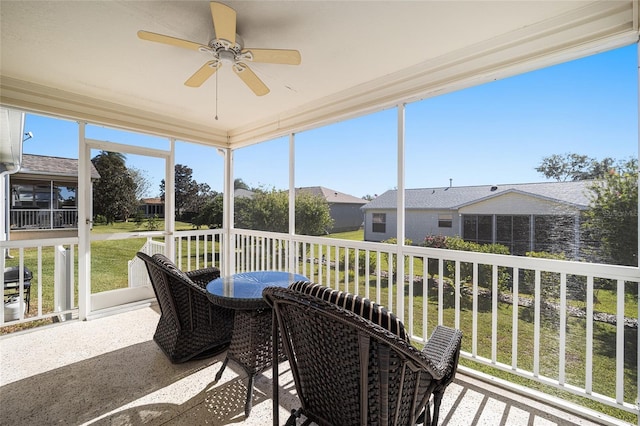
{"points": [[226, 56], [227, 47]]}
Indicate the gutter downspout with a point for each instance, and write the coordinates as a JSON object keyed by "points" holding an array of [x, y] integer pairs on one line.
{"points": [[12, 132]]}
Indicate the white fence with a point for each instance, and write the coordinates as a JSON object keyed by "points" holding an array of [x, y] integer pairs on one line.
{"points": [[138, 275]]}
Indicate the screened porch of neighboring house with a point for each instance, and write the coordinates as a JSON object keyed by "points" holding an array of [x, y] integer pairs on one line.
{"points": [[43, 194], [536, 348]]}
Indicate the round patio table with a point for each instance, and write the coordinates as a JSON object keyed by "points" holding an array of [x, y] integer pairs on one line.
{"points": [[251, 344]]}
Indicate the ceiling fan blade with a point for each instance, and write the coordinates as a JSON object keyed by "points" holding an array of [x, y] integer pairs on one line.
{"points": [[251, 79], [224, 21], [200, 76], [160, 38], [275, 56]]}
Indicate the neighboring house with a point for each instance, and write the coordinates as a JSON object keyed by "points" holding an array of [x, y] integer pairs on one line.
{"points": [[524, 217], [152, 207], [345, 209], [43, 196]]}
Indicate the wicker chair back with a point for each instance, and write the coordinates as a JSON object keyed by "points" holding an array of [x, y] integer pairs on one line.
{"points": [[350, 371], [190, 326]]}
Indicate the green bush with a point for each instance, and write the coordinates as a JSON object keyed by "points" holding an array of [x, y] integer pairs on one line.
{"points": [[99, 219], [549, 281], [362, 261], [485, 272], [153, 223], [394, 263]]}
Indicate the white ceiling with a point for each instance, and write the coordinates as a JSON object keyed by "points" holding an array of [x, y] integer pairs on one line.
{"points": [[84, 60]]}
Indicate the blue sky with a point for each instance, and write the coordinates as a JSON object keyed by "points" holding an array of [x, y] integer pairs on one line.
{"points": [[491, 134]]}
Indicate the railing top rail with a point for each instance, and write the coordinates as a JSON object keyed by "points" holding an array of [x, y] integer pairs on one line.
{"points": [[628, 273], [198, 232], [125, 235], [39, 242]]}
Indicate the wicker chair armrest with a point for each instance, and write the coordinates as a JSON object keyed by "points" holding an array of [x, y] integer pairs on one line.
{"points": [[442, 350], [203, 276]]}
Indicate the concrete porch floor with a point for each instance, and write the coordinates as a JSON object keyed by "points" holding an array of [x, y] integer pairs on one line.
{"points": [[109, 371]]}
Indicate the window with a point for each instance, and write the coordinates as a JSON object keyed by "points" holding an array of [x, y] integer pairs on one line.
{"points": [[445, 220], [514, 232], [379, 222], [478, 228]]}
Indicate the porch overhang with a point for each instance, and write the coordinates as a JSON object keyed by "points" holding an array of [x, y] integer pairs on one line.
{"points": [[357, 57]]}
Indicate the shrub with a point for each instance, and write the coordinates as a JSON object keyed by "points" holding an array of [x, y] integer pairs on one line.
{"points": [[153, 224], [362, 254], [435, 241], [393, 263], [99, 219], [466, 269], [549, 281]]}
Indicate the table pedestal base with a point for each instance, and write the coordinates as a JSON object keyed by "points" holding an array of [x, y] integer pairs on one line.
{"points": [[251, 347]]}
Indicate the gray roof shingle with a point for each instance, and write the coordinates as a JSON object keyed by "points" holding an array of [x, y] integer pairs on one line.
{"points": [[331, 196], [52, 166], [574, 193]]}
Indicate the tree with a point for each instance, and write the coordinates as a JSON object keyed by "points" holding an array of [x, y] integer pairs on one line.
{"points": [[313, 216], [142, 182], [240, 184], [268, 210], [211, 213], [114, 194], [190, 196], [612, 218], [573, 167]]}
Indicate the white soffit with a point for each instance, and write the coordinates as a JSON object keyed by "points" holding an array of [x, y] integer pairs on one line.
{"points": [[82, 60]]}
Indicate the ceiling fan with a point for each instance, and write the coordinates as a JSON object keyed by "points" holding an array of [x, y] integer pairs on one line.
{"points": [[228, 47]]}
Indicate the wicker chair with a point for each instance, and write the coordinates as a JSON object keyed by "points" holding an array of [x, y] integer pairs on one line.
{"points": [[349, 370], [190, 326]]}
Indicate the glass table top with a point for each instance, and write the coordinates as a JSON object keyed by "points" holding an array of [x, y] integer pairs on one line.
{"points": [[249, 285]]}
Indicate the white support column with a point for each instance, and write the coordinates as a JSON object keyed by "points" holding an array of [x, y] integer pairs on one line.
{"points": [[636, 15], [292, 200], [170, 202], [399, 311], [85, 220], [228, 257]]}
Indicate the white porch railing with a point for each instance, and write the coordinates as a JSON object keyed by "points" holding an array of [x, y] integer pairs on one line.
{"points": [[535, 318], [43, 218], [52, 285]]}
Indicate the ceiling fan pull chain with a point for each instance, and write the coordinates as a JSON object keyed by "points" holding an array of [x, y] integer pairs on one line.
{"points": [[216, 96]]}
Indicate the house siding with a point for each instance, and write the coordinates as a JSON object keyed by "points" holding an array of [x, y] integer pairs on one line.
{"points": [[564, 201], [390, 228], [420, 223], [518, 204], [347, 217]]}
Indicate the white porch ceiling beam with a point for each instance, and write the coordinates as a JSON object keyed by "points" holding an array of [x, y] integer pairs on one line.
{"points": [[46, 100]]}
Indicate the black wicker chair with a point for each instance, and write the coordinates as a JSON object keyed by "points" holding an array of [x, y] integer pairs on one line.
{"points": [[190, 326], [349, 370]]}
